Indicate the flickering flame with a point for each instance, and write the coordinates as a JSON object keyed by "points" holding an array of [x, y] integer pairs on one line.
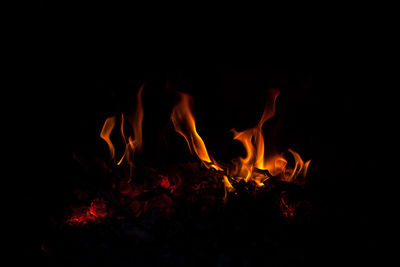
{"points": [[184, 123], [136, 121], [300, 168], [228, 186], [253, 141], [105, 134], [133, 144], [257, 158], [258, 161]]}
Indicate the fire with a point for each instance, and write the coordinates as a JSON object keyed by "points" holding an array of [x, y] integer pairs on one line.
{"points": [[260, 163], [133, 143], [184, 123], [253, 141], [136, 121], [105, 134], [257, 162], [256, 157]]}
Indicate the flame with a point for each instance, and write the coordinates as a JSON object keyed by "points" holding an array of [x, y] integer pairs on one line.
{"points": [[184, 123], [253, 141], [133, 144], [258, 165], [228, 187], [105, 134], [136, 121], [300, 168], [256, 157]]}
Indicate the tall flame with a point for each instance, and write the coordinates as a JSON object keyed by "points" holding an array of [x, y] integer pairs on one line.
{"points": [[133, 144], [253, 142], [184, 123]]}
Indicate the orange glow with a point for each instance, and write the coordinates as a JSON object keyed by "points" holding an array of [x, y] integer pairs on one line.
{"points": [[184, 123]]}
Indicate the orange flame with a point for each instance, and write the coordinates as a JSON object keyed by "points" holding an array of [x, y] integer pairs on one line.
{"points": [[105, 134], [136, 121], [228, 187], [184, 123], [132, 143], [300, 168], [253, 142], [256, 157]]}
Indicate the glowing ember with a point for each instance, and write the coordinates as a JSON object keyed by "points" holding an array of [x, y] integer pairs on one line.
{"points": [[288, 210], [96, 212], [164, 181]]}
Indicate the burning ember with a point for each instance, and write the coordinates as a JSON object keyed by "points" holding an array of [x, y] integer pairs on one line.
{"points": [[95, 212]]}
